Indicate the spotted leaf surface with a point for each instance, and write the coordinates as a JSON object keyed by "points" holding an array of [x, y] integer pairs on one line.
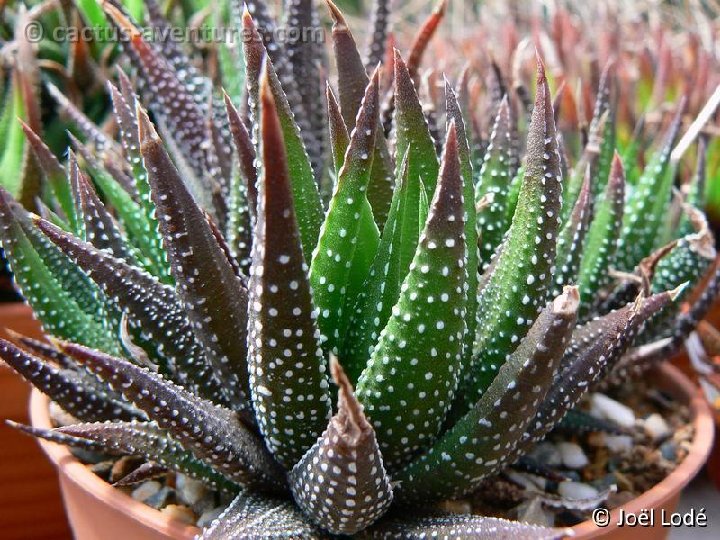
{"points": [[153, 309], [176, 108], [571, 240], [418, 355], [63, 386], [379, 34], [514, 292], [214, 296], [412, 133], [145, 232], [54, 175], [593, 351], [308, 206], [56, 308], [599, 253], [213, 434], [340, 483], [99, 226], [145, 439], [421, 526], [381, 289], [288, 372], [352, 82], [648, 202], [306, 58], [494, 180], [349, 237], [251, 516], [487, 437], [454, 113]]}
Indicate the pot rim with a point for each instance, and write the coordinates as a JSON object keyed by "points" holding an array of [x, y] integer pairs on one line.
{"points": [[701, 418]]}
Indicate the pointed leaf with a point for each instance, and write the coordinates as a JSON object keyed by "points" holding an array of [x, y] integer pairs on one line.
{"points": [[572, 239], [494, 178], [215, 298], [418, 356], [647, 204], [64, 387], [145, 439], [153, 308], [487, 437], [308, 206], [601, 243], [514, 292], [352, 82], [454, 113], [288, 378], [341, 483], [349, 237], [217, 436]]}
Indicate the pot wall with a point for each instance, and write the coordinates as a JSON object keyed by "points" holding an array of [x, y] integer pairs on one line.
{"points": [[29, 483]]}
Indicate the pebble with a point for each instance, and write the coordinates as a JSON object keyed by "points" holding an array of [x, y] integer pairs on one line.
{"points": [[456, 507], [656, 427], [547, 454], [533, 511], [619, 443], [189, 490], [160, 499], [668, 450], [573, 456], [609, 409], [179, 513], [209, 516], [146, 490], [577, 491]]}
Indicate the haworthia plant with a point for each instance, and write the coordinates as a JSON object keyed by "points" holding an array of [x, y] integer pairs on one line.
{"points": [[331, 326]]}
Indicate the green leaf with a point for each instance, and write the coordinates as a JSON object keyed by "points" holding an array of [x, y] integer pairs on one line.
{"points": [[58, 311], [349, 237], [516, 287], [352, 81], [417, 360], [454, 113], [599, 252], [648, 201], [413, 135], [487, 437], [495, 180], [306, 198]]}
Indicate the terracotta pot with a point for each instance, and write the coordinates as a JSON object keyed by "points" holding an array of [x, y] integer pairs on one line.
{"points": [[97, 510], [94, 508], [29, 483], [665, 495]]}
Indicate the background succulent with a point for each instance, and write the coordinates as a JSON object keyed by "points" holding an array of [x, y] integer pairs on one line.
{"points": [[204, 295]]}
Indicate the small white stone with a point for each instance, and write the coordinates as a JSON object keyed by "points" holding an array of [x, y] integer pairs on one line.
{"points": [[146, 490], [577, 491], [609, 409], [573, 456], [189, 490], [656, 427], [619, 443]]}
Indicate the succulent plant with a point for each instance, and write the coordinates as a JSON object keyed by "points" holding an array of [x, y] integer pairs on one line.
{"points": [[341, 328]]}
